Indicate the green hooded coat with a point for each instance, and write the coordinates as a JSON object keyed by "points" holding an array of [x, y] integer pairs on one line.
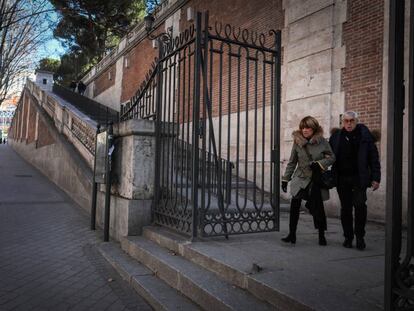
{"points": [[298, 171]]}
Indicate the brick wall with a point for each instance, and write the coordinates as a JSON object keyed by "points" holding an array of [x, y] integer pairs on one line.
{"points": [[25, 111], [44, 136], [105, 80], [32, 124], [362, 76], [257, 16], [139, 61], [21, 116]]}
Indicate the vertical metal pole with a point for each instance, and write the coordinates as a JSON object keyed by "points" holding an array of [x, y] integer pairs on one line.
{"points": [[410, 194], [196, 118], [394, 149], [94, 184], [108, 183], [276, 118], [158, 136]]}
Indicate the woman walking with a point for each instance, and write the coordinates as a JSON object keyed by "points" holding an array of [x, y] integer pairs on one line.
{"points": [[311, 155]]}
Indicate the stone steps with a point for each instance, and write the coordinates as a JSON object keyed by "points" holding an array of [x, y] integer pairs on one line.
{"points": [[156, 292], [246, 280], [197, 283]]}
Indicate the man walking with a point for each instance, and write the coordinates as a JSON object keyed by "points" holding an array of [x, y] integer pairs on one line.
{"points": [[357, 168], [81, 88]]}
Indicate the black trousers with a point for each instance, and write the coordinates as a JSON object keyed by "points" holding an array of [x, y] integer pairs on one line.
{"points": [[319, 217], [352, 196]]}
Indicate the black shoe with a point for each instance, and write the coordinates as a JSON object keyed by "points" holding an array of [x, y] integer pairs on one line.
{"points": [[322, 240], [360, 244], [347, 243], [291, 238]]}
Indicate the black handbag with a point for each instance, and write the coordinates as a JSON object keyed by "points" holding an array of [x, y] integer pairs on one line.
{"points": [[328, 180]]}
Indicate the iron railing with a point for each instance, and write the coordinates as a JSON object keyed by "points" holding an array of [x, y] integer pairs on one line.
{"points": [[215, 95]]}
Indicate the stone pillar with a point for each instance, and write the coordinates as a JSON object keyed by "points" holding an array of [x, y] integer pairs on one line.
{"points": [[132, 178]]}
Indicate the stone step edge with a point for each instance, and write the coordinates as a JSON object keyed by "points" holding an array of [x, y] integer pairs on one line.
{"points": [[181, 246], [140, 287], [178, 279]]}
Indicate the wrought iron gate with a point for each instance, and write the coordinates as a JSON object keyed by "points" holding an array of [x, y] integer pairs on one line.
{"points": [[399, 257], [215, 95]]}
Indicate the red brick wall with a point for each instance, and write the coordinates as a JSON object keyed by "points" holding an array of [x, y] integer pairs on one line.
{"points": [[21, 116], [25, 111], [140, 59], [259, 16], [103, 82], [362, 76], [32, 124], [44, 136]]}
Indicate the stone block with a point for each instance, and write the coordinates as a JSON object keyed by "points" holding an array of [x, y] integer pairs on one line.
{"points": [[315, 42], [297, 9], [311, 24], [127, 217], [309, 76], [134, 159], [340, 11], [339, 57], [314, 106]]}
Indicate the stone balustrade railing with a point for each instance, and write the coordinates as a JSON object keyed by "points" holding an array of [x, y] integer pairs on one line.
{"points": [[77, 127]]}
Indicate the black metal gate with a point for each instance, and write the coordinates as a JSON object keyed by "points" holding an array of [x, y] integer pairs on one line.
{"points": [[399, 266], [215, 95]]}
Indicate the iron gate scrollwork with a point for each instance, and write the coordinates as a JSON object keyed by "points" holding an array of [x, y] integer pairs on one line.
{"points": [[216, 94]]}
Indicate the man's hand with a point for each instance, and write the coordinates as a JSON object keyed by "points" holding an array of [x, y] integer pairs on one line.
{"points": [[375, 185], [284, 186]]}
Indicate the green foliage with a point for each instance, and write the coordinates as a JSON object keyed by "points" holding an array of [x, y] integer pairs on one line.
{"points": [[72, 66], [90, 28], [48, 64]]}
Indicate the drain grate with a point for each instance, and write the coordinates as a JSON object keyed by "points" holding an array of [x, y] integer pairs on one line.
{"points": [[23, 176]]}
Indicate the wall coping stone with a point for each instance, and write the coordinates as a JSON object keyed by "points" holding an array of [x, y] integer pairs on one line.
{"points": [[138, 127]]}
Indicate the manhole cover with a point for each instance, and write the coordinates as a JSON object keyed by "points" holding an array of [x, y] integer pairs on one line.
{"points": [[23, 175]]}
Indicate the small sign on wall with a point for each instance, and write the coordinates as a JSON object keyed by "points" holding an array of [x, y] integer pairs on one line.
{"points": [[101, 154]]}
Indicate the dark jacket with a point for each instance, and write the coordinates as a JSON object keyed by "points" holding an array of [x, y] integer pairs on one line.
{"points": [[369, 168]]}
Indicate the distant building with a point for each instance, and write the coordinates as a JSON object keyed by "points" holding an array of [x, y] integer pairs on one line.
{"points": [[44, 79]]}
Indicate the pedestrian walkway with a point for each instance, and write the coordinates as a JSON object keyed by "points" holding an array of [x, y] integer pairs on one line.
{"points": [[48, 255]]}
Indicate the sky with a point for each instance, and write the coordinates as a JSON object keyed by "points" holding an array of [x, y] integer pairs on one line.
{"points": [[52, 48]]}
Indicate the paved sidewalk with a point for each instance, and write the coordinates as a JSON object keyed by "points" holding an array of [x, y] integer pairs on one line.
{"points": [[323, 278], [48, 255]]}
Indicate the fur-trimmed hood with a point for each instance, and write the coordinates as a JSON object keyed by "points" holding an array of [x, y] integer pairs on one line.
{"points": [[302, 141]]}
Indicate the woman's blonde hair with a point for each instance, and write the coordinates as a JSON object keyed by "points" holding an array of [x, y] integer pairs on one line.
{"points": [[310, 122]]}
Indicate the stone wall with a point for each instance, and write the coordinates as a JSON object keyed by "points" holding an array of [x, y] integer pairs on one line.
{"points": [[105, 80], [333, 58], [47, 143], [49, 152]]}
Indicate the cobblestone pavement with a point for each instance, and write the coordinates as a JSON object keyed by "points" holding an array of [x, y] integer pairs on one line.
{"points": [[48, 255]]}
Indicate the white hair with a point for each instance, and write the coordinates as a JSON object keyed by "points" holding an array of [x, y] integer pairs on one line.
{"points": [[351, 114]]}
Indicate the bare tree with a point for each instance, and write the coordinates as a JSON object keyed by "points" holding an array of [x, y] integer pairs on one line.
{"points": [[22, 31]]}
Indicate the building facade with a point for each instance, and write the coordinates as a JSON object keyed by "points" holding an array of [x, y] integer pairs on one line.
{"points": [[334, 58]]}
